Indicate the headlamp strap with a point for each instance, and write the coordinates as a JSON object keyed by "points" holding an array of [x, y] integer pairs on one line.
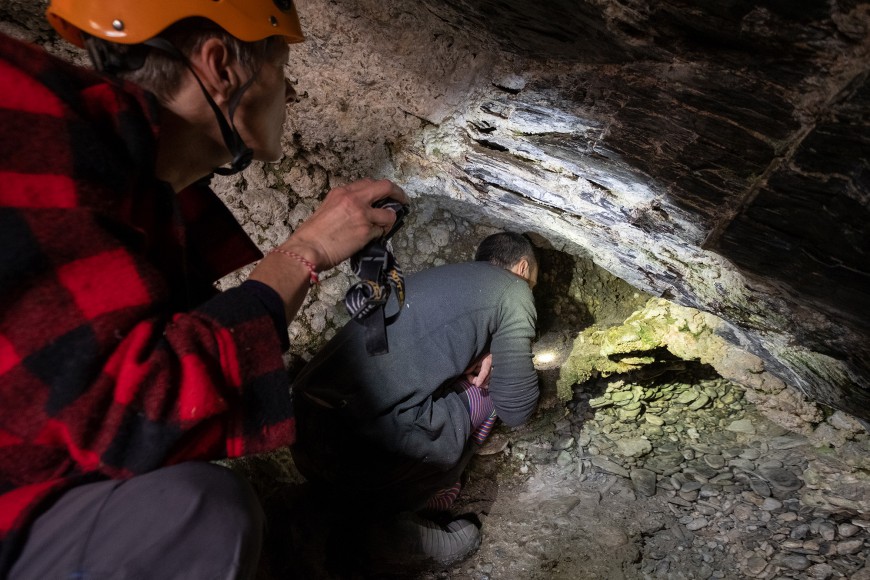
{"points": [[242, 154], [380, 276]]}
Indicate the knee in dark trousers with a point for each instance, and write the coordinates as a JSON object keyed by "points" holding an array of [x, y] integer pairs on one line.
{"points": [[193, 520]]}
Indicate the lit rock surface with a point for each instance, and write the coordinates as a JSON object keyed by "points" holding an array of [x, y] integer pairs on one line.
{"points": [[714, 155]]}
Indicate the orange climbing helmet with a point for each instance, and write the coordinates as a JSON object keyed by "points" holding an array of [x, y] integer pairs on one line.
{"points": [[135, 21]]}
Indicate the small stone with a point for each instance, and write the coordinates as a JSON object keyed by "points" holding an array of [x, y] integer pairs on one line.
{"points": [[654, 430], [751, 454], [706, 449], [787, 442], [820, 571], [699, 403], [644, 481], [742, 512], [701, 470], [842, 421], [563, 443], [627, 414], [620, 396], [788, 517], [755, 565], [599, 402], [715, 461], [705, 510], [677, 480], [742, 426], [795, 562], [609, 466], [679, 501], [691, 486], [827, 531], [697, 524], [662, 569], [811, 545], [564, 458], [847, 530], [654, 420], [771, 504], [849, 547], [741, 464], [687, 397], [512, 83], [800, 532], [781, 479], [759, 487], [708, 490], [634, 447]]}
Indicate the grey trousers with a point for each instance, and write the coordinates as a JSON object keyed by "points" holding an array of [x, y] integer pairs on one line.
{"points": [[195, 521], [332, 454]]}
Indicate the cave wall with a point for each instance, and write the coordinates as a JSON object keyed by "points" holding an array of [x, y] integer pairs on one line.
{"points": [[712, 154]]}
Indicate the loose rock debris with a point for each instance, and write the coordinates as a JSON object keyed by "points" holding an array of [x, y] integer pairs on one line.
{"points": [[677, 476]]}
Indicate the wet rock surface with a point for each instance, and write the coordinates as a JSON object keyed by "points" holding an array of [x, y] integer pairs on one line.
{"points": [[718, 491]]}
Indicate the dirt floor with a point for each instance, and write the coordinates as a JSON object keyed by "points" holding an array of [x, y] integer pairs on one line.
{"points": [[701, 485]]}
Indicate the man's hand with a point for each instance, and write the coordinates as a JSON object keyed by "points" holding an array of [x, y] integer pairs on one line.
{"points": [[346, 221], [343, 224], [478, 373]]}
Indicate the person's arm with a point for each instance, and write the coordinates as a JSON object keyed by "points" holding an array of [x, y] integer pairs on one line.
{"points": [[513, 383], [343, 224], [118, 383]]}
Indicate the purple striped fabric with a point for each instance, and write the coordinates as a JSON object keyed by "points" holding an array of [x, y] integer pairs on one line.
{"points": [[444, 499]]}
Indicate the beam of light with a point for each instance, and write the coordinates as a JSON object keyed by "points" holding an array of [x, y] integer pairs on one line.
{"points": [[546, 356]]}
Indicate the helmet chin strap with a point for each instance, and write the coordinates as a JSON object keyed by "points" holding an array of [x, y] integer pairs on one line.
{"points": [[242, 154]]}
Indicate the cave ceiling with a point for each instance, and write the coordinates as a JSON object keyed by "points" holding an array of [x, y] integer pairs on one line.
{"points": [[713, 153]]}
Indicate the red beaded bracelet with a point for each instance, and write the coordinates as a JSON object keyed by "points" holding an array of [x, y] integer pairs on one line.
{"points": [[312, 271]]}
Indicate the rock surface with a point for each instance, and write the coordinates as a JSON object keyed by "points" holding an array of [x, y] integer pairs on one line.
{"points": [[716, 156]]}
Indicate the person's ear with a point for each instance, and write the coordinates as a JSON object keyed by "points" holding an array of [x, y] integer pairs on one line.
{"points": [[521, 268], [219, 72]]}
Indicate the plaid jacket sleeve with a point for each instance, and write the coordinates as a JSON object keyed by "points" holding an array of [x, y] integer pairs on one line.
{"points": [[101, 373]]}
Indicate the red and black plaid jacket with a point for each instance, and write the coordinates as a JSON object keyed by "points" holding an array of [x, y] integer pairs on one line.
{"points": [[116, 355]]}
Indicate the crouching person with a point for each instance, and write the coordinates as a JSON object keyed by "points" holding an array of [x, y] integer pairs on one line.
{"points": [[389, 435]]}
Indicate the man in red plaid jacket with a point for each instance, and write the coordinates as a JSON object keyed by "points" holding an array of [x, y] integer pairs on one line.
{"points": [[121, 370]]}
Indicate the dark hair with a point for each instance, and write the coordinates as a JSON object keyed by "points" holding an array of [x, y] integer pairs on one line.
{"points": [[505, 250], [161, 73]]}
